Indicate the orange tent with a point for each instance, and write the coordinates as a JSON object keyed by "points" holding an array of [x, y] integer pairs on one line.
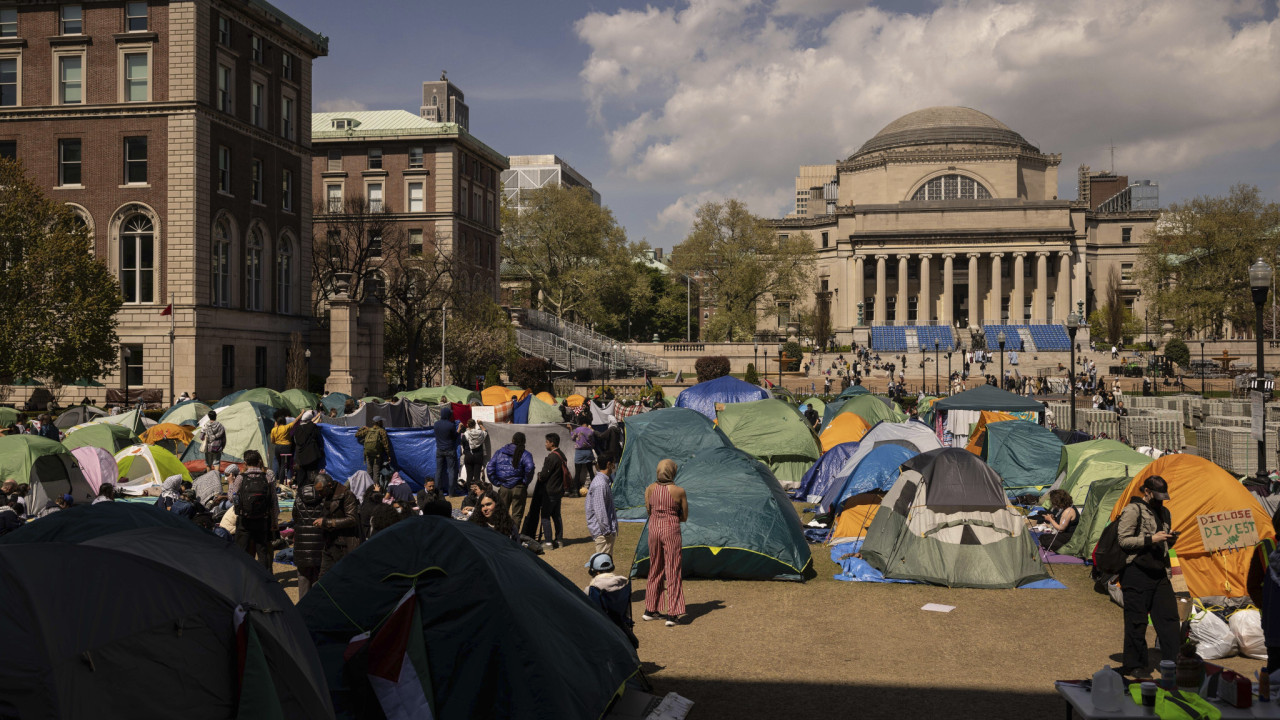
{"points": [[855, 516], [980, 429], [574, 401], [1198, 487], [497, 394], [167, 431], [845, 427], [547, 398]]}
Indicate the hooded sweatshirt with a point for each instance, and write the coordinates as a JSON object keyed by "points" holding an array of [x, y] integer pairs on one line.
{"points": [[446, 433]]}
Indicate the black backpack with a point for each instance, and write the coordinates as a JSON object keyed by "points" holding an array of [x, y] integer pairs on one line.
{"points": [[1108, 557], [253, 500]]}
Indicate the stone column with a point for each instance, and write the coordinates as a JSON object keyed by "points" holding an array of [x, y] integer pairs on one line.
{"points": [[1040, 298], [900, 312], [344, 337], [1062, 297], [975, 314], [858, 293], [946, 315], [997, 288], [1017, 298], [924, 311], [881, 290]]}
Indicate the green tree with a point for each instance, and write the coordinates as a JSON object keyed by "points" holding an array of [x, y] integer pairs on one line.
{"points": [[566, 245], [60, 302], [742, 261], [1195, 265], [479, 339], [1178, 352], [751, 375]]}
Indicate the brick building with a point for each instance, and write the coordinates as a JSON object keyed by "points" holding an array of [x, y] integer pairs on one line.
{"points": [[179, 131]]}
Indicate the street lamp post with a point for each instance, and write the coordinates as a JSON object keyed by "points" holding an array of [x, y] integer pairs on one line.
{"points": [[1260, 275], [307, 354], [1000, 340], [688, 309], [949, 385], [780, 358], [1073, 326], [125, 354], [936, 387], [755, 357]]}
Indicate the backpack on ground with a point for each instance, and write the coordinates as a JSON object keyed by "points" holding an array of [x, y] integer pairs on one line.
{"points": [[253, 500]]}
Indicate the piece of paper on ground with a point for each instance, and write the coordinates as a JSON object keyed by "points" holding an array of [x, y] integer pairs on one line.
{"points": [[935, 607]]}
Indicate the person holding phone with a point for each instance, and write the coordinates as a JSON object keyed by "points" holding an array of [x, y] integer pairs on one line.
{"points": [[1145, 534]]}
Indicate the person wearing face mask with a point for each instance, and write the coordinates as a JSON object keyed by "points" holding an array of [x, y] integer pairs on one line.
{"points": [[1145, 534]]}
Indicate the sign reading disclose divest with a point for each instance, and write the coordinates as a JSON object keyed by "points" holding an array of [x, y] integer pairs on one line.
{"points": [[1229, 529]]}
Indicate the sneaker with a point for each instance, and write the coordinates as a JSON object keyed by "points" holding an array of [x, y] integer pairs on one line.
{"points": [[671, 621], [558, 544], [647, 617], [547, 545]]}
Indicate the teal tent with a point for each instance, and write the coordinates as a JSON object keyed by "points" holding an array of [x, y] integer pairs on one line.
{"points": [[988, 397], [336, 401], [741, 523], [187, 412], [494, 631], [675, 433], [1028, 457], [772, 432], [299, 400]]}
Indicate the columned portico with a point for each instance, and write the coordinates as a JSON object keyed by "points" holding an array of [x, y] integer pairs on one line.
{"points": [[900, 311], [947, 315], [1040, 300], [859, 292], [975, 315], [881, 289], [1017, 298], [925, 313], [997, 290]]}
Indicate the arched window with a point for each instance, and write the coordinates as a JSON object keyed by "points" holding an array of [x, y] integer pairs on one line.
{"points": [[137, 259], [253, 271], [952, 187], [284, 276], [221, 261]]}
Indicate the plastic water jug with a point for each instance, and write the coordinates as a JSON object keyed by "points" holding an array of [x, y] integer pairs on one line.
{"points": [[1108, 689]]}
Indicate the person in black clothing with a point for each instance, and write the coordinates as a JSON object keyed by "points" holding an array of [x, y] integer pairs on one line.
{"points": [[370, 503], [428, 494], [308, 540], [547, 496], [1144, 532], [608, 444], [1062, 517], [308, 450], [475, 491], [811, 416]]}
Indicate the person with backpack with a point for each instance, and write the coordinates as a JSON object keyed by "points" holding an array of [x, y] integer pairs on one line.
{"points": [[256, 509], [548, 494], [473, 449], [308, 540], [510, 470], [376, 445], [214, 436], [1144, 533]]}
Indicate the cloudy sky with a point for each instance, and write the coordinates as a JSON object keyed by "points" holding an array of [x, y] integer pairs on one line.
{"points": [[663, 106]]}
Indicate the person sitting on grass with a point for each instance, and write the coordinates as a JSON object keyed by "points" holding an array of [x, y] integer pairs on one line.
{"points": [[1062, 517], [492, 513]]}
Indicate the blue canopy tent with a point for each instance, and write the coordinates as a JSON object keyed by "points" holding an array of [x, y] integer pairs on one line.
{"points": [[413, 453], [704, 396], [878, 471], [824, 473]]}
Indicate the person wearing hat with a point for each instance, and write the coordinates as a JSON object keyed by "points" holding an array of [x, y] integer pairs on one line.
{"points": [[1145, 534], [376, 444], [611, 593]]}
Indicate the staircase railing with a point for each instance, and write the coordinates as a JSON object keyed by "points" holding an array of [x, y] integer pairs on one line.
{"points": [[614, 355]]}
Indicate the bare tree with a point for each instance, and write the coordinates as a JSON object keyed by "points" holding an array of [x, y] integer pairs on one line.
{"points": [[296, 370]]}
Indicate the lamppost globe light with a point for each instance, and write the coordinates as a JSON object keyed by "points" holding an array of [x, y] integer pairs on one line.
{"points": [[1000, 338], [1260, 275], [307, 354]]}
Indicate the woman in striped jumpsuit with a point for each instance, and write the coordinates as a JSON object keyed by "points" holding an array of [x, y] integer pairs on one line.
{"points": [[668, 506]]}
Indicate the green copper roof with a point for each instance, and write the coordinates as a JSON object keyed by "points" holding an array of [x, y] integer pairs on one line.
{"points": [[392, 124]]}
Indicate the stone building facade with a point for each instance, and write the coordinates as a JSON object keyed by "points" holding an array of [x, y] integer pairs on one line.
{"points": [[179, 131], [949, 217]]}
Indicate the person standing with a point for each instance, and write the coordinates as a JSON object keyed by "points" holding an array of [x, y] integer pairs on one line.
{"points": [[308, 539], [548, 494], [256, 510], [583, 456], [668, 506], [446, 431], [510, 470], [308, 449], [1145, 534], [214, 436], [376, 444], [608, 442], [473, 449], [282, 445], [602, 517], [339, 521]]}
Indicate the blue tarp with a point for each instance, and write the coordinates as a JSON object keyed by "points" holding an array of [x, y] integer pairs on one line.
{"points": [[520, 415], [704, 396], [853, 569], [877, 471], [413, 453], [824, 472]]}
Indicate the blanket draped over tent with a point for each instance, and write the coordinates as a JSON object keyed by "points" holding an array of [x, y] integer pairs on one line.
{"points": [[413, 453]]}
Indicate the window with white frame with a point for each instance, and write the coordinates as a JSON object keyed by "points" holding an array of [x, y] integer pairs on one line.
{"points": [[952, 187], [71, 20], [135, 160], [221, 264], [224, 88], [224, 30], [1126, 272], [137, 76], [70, 79], [286, 190], [224, 169], [69, 161], [135, 16], [415, 241], [137, 259], [255, 48], [8, 22], [374, 193], [284, 277], [256, 181], [286, 117], [375, 158], [253, 271], [257, 92], [415, 157], [286, 66], [333, 194], [416, 201], [8, 81]]}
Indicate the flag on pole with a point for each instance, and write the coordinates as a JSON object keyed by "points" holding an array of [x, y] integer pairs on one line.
{"points": [[397, 663], [168, 309]]}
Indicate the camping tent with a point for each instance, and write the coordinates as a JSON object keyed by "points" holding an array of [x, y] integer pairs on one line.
{"points": [[262, 396], [575, 401], [174, 438], [132, 420], [741, 524], [432, 395], [97, 465], [173, 596], [246, 430], [822, 473], [964, 409], [299, 400], [10, 417], [546, 397], [497, 394], [142, 466], [542, 411], [704, 396], [189, 412], [1103, 494], [774, 433], [845, 428], [112, 438], [1027, 456], [859, 499], [945, 522], [72, 417], [979, 431], [1198, 487], [335, 401], [873, 409], [675, 433], [818, 405], [911, 435], [49, 467], [1089, 462], [501, 633]]}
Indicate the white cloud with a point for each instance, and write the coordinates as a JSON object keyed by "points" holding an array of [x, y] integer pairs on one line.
{"points": [[719, 98], [340, 105]]}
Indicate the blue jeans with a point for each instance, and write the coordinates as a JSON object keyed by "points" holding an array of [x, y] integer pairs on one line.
{"points": [[446, 472]]}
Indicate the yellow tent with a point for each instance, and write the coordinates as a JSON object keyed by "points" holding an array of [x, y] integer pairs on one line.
{"points": [[846, 427], [1198, 488], [574, 401], [980, 429], [855, 516], [167, 431], [497, 394], [547, 398]]}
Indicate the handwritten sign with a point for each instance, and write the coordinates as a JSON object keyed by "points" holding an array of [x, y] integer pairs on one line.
{"points": [[1230, 529]]}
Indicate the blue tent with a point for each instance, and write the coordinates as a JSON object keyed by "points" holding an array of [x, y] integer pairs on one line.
{"points": [[824, 472], [878, 471], [520, 413], [704, 396], [413, 453]]}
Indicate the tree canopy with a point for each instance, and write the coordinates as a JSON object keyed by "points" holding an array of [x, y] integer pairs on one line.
{"points": [[60, 302], [742, 261], [1195, 266]]}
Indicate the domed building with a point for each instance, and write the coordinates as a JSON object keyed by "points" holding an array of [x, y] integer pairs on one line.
{"points": [[947, 223]]}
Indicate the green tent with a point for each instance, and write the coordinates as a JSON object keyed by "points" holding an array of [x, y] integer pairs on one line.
{"points": [[741, 523], [262, 396], [817, 405], [1094, 460], [335, 401], [1028, 457], [1102, 497], [873, 409], [131, 420], [674, 433], [853, 391], [299, 400], [541, 411], [495, 631], [190, 412], [946, 522], [112, 438], [9, 417], [432, 395], [245, 431], [142, 466], [49, 467], [774, 433]]}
